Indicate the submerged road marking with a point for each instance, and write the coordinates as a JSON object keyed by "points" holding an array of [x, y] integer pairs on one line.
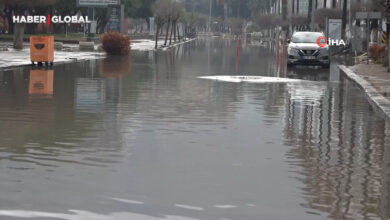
{"points": [[189, 207], [253, 79], [128, 201]]}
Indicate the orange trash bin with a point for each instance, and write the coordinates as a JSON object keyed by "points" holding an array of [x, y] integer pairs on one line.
{"points": [[41, 82], [42, 49]]}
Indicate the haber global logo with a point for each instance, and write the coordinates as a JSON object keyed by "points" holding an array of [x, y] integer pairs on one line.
{"points": [[323, 42], [39, 19]]}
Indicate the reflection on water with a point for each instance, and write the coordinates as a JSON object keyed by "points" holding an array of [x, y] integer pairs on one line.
{"points": [[114, 66], [41, 82], [339, 153], [145, 138]]}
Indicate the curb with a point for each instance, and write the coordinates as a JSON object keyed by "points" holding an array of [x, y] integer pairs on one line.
{"points": [[55, 63], [376, 99], [27, 39], [96, 57]]}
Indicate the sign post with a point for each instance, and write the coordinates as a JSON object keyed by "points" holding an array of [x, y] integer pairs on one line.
{"points": [[334, 28], [114, 18], [115, 12], [97, 3]]}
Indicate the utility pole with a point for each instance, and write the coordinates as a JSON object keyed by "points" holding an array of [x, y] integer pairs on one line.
{"points": [[309, 13], [351, 34], [225, 8], [344, 20], [313, 9]]}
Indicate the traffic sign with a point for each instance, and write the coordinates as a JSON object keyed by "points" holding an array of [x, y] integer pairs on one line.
{"points": [[369, 15]]}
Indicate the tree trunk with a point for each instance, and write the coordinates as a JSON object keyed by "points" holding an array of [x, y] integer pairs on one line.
{"points": [[178, 32], [325, 3], [334, 4], [293, 7], [172, 29], [18, 36], [157, 32], [9, 11], [284, 9], [167, 32], [10, 23]]}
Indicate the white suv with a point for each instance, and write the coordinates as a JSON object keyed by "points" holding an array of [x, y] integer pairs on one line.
{"points": [[308, 48]]}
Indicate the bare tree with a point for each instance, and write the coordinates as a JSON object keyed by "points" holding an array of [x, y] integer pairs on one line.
{"points": [[194, 22], [184, 19], [236, 25], [177, 12], [333, 3], [159, 9], [169, 19]]}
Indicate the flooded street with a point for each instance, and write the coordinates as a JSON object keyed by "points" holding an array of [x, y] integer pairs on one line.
{"points": [[149, 139]]}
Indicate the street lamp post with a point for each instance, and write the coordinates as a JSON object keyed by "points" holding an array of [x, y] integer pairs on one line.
{"points": [[312, 24], [211, 5]]}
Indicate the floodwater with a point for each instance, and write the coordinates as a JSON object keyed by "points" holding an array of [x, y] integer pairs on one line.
{"points": [[145, 138]]}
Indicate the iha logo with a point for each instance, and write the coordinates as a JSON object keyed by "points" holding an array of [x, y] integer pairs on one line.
{"points": [[323, 42], [39, 19]]}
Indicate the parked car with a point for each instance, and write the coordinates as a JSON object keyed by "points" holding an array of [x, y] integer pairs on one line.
{"points": [[303, 49]]}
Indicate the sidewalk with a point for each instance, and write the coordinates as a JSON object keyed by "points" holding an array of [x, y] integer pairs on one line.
{"points": [[375, 82], [15, 58]]}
